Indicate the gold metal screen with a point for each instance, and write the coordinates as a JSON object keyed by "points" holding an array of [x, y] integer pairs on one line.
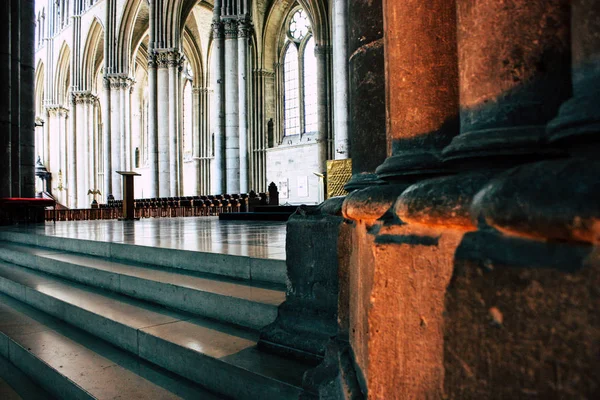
{"points": [[339, 173]]}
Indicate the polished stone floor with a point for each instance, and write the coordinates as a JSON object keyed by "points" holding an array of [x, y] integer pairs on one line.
{"points": [[205, 234]]}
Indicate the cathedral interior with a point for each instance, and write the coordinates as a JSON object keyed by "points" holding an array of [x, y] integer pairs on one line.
{"points": [[300, 199]]}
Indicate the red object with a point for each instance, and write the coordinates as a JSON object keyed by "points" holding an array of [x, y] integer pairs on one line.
{"points": [[24, 201]]}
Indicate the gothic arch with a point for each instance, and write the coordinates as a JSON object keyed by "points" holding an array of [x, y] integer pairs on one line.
{"points": [[93, 55], [134, 24], [62, 80], [39, 89], [193, 54]]}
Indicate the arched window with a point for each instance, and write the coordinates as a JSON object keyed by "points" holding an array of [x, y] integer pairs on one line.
{"points": [[310, 87], [291, 90], [299, 77]]}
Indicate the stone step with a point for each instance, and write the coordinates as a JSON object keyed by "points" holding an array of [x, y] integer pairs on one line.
{"points": [[71, 364], [230, 301], [220, 357], [227, 265], [15, 385]]}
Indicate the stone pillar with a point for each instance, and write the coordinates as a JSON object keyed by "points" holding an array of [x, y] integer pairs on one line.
{"points": [[126, 135], [71, 145], [152, 126], [232, 134], [123, 89], [218, 83], [174, 101], [578, 122], [162, 87], [115, 134], [422, 87], [514, 59], [15, 104], [196, 138], [340, 79], [92, 151], [27, 117], [323, 55], [243, 37], [205, 143], [106, 142], [5, 100], [81, 142], [366, 91]]}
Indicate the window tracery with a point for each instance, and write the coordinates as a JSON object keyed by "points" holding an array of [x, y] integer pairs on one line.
{"points": [[299, 77]]}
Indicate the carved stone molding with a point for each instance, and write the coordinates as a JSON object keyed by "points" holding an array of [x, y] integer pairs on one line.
{"points": [[244, 28], [231, 29], [118, 81], [83, 98], [217, 30], [168, 59]]}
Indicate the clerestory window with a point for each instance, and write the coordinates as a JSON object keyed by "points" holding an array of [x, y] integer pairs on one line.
{"points": [[299, 77]]}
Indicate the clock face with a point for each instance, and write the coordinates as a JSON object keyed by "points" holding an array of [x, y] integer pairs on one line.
{"points": [[299, 25]]}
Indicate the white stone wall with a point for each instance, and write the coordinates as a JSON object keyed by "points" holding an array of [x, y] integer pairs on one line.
{"points": [[295, 162]]}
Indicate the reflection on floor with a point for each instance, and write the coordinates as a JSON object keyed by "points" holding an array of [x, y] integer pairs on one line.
{"points": [[206, 234]]}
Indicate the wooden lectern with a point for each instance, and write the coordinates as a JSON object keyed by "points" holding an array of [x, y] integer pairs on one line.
{"points": [[128, 206]]}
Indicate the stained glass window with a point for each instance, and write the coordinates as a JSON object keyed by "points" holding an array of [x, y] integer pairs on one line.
{"points": [[299, 25], [310, 88], [291, 91]]}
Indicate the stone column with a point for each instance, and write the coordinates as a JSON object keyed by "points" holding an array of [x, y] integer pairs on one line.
{"points": [[196, 138], [152, 126], [106, 142], [15, 104], [82, 156], [422, 87], [232, 135], [123, 90], [162, 87], [578, 122], [243, 35], [173, 71], [71, 145], [218, 83], [115, 134], [27, 117], [340, 79], [92, 151], [5, 100], [513, 61], [366, 91], [323, 55], [127, 89]]}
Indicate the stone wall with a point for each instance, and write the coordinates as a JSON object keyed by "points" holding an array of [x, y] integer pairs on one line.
{"points": [[295, 164]]}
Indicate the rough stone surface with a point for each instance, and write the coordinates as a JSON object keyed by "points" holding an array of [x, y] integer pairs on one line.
{"points": [[367, 85], [547, 345], [568, 209], [579, 118], [511, 84], [308, 318], [442, 201], [422, 85], [372, 203]]}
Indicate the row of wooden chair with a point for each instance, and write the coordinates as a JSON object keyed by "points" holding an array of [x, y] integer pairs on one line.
{"points": [[164, 207]]}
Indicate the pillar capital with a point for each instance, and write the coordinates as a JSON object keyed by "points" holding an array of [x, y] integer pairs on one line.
{"points": [[244, 28], [168, 58], [217, 31], [231, 28], [118, 81]]}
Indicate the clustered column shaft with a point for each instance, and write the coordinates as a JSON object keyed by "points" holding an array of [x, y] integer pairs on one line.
{"points": [[231, 27], [16, 102]]}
